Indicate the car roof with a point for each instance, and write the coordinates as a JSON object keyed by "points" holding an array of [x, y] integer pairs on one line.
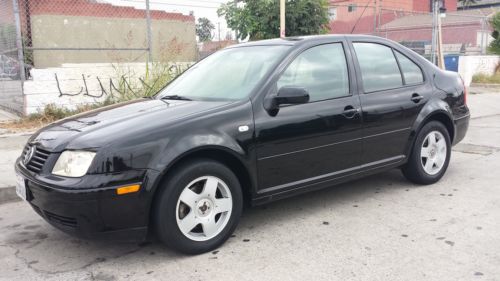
{"points": [[299, 40]]}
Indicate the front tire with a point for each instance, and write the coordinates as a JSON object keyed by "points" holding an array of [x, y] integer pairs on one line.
{"points": [[198, 207], [430, 154]]}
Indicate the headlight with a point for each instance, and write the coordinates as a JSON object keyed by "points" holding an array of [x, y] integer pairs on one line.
{"points": [[73, 163]]}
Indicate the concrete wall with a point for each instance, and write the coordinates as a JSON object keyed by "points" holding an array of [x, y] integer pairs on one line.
{"points": [[77, 79], [171, 39], [470, 65]]}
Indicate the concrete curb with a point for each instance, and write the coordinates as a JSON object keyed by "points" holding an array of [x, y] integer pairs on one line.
{"points": [[485, 85], [8, 194], [9, 135]]}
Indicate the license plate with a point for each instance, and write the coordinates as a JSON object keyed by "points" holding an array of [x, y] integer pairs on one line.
{"points": [[21, 187]]}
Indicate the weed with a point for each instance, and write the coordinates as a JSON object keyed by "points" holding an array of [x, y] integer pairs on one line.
{"points": [[485, 78]]}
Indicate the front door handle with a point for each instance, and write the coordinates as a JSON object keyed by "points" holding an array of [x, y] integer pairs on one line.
{"points": [[416, 98], [350, 112]]}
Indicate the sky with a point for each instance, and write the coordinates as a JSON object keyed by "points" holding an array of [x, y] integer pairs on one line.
{"points": [[201, 8]]}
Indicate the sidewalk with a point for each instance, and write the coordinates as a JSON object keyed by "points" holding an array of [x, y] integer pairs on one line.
{"points": [[11, 147], [7, 116]]}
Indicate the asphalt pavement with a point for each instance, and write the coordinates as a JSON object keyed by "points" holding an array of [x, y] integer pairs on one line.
{"points": [[377, 228]]}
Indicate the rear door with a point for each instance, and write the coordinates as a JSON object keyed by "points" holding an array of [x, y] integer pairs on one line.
{"points": [[393, 89]]}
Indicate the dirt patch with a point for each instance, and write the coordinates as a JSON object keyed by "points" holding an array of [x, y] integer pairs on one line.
{"points": [[475, 149]]}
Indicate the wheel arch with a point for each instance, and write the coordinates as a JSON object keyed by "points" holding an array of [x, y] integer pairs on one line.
{"points": [[434, 111], [443, 118], [217, 153]]}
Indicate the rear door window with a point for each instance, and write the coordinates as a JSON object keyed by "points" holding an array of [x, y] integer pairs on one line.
{"points": [[379, 68]]}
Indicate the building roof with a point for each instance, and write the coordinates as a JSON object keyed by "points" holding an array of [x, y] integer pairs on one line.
{"points": [[91, 8], [479, 3], [454, 18]]}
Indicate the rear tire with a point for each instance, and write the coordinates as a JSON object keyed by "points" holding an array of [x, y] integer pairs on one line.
{"points": [[430, 154], [198, 207]]}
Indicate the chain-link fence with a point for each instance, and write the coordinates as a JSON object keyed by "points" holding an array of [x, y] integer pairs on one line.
{"points": [[11, 96], [56, 32], [77, 51], [464, 32]]}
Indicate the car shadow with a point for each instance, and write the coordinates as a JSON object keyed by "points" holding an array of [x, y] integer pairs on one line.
{"points": [[39, 247], [351, 193]]}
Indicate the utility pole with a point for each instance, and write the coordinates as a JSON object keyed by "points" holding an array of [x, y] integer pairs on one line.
{"points": [[437, 35], [19, 40], [218, 31], [375, 17], [282, 18], [440, 43], [434, 31], [149, 31], [484, 37], [20, 49], [380, 8]]}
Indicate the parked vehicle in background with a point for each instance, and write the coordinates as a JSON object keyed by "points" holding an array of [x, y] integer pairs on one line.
{"points": [[251, 123]]}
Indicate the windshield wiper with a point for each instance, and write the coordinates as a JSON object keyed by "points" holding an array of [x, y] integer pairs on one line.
{"points": [[175, 97]]}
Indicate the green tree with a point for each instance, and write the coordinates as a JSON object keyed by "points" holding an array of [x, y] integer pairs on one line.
{"points": [[204, 29], [495, 44], [260, 19]]}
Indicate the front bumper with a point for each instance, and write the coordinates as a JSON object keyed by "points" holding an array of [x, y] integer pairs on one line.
{"points": [[95, 211]]}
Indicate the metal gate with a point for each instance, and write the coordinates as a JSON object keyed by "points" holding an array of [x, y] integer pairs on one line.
{"points": [[11, 68]]}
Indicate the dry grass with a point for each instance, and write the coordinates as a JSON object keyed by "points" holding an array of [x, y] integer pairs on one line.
{"points": [[21, 126], [486, 79], [155, 78], [51, 113]]}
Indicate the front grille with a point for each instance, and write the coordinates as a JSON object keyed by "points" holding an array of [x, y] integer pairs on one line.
{"points": [[61, 220], [35, 164]]}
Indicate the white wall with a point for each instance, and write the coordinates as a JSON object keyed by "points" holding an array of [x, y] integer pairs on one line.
{"points": [[42, 89], [470, 65]]}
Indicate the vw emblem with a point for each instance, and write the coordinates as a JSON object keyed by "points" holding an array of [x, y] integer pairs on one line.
{"points": [[29, 155]]}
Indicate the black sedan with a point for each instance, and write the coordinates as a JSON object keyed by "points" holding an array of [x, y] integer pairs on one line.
{"points": [[250, 124]]}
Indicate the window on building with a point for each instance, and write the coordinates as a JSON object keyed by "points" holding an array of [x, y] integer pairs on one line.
{"points": [[321, 70], [332, 13], [379, 68], [352, 7]]}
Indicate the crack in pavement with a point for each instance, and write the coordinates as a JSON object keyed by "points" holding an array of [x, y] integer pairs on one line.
{"points": [[17, 254]]}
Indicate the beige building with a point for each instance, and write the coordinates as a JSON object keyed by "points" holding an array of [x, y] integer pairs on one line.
{"points": [[72, 27]]}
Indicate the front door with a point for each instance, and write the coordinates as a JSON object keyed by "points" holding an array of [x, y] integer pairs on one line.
{"points": [[311, 142]]}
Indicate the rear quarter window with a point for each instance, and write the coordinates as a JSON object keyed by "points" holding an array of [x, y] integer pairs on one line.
{"points": [[411, 71]]}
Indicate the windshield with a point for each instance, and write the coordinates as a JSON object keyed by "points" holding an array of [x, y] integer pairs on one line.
{"points": [[230, 74]]}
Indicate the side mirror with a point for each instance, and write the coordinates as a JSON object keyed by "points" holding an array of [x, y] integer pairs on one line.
{"points": [[285, 95]]}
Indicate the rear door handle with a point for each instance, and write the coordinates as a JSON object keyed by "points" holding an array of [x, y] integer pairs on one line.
{"points": [[416, 98], [350, 112]]}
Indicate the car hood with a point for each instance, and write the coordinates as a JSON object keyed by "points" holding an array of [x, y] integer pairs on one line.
{"points": [[99, 127]]}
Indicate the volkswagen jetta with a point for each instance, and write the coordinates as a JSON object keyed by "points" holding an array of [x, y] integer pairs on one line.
{"points": [[252, 123]]}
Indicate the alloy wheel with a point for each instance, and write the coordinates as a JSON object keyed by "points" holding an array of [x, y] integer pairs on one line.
{"points": [[204, 208], [433, 152]]}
